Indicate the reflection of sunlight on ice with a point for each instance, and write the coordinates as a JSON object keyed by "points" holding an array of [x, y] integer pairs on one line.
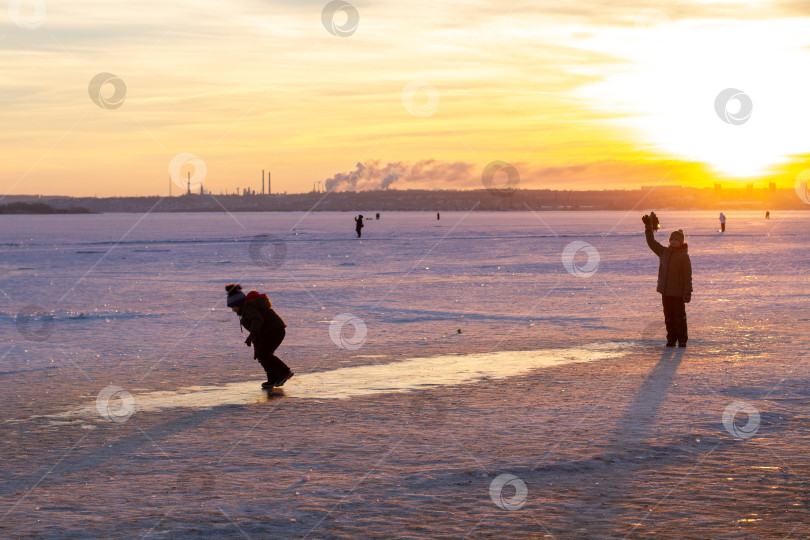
{"points": [[407, 375]]}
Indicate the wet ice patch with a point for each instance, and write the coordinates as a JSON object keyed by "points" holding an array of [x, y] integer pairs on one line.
{"points": [[421, 373], [404, 376]]}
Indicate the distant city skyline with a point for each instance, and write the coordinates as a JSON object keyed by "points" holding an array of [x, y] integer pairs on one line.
{"points": [[130, 99]]}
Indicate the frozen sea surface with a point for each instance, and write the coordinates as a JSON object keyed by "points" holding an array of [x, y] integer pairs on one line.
{"points": [[479, 344]]}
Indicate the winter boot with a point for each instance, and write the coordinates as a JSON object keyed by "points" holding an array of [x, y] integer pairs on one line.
{"points": [[285, 379]]}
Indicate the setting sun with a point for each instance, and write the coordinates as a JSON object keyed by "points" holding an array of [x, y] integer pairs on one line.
{"points": [[667, 94]]}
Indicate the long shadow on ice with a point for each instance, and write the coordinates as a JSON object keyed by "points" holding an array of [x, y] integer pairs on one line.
{"points": [[632, 449], [639, 419], [638, 422]]}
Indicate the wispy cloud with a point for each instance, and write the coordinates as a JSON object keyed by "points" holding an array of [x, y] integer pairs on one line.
{"points": [[255, 84]]}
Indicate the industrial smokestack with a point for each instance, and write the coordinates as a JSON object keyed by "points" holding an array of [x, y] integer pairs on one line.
{"points": [[262, 181]]}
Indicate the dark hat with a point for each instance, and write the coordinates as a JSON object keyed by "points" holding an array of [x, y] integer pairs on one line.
{"points": [[676, 234], [235, 295]]}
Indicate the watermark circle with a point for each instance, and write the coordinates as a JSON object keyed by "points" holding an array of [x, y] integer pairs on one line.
{"points": [[115, 404], [96, 86], [801, 186], [500, 168], [570, 253], [751, 426], [339, 335], [409, 101], [34, 323], [267, 251], [496, 492], [725, 98], [329, 15], [31, 21], [185, 162]]}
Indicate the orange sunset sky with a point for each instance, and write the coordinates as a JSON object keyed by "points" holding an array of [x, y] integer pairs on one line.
{"points": [[424, 94]]}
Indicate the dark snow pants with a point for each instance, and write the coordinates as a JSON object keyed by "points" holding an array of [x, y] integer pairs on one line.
{"points": [[265, 347], [675, 319]]}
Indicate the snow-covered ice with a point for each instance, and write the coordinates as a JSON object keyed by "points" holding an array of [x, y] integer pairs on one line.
{"points": [[481, 344]]}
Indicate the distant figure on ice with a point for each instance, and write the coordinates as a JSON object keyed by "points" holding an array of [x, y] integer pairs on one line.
{"points": [[674, 281], [438, 216], [722, 222], [358, 225], [266, 331], [378, 215], [767, 214], [655, 223]]}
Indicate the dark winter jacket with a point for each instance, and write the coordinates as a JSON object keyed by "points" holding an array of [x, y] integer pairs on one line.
{"points": [[257, 315], [674, 269]]}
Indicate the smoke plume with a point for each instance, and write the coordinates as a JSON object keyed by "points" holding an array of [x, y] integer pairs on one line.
{"points": [[429, 173]]}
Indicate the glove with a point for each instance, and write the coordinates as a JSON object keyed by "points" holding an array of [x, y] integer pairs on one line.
{"points": [[647, 222], [249, 340], [687, 298]]}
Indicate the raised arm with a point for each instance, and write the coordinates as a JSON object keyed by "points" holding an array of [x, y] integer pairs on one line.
{"points": [[655, 246]]}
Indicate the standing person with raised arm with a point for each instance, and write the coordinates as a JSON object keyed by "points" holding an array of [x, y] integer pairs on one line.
{"points": [[674, 281]]}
